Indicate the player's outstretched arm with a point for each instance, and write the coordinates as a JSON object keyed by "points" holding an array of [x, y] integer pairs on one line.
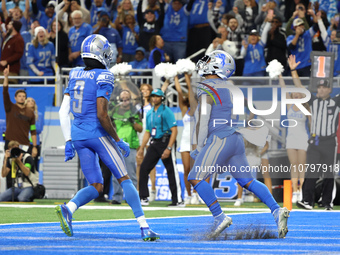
{"points": [[104, 119]]}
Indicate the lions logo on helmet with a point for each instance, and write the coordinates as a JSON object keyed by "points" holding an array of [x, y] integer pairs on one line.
{"points": [[217, 62], [97, 47]]}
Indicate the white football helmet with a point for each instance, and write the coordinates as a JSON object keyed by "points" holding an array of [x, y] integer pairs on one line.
{"points": [[97, 47], [217, 62]]}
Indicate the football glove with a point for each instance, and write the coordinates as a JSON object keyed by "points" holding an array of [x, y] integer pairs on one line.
{"points": [[69, 151], [194, 154], [124, 147]]}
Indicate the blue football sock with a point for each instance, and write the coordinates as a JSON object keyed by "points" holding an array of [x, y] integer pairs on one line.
{"points": [[132, 197], [206, 192], [262, 192], [85, 195], [215, 209]]}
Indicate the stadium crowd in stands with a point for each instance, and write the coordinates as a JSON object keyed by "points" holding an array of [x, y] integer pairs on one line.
{"points": [[271, 28]]}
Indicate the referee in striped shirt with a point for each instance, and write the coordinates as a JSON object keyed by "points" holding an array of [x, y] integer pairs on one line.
{"points": [[322, 146]]}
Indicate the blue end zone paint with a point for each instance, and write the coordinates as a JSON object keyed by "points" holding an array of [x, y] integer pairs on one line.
{"points": [[309, 232]]}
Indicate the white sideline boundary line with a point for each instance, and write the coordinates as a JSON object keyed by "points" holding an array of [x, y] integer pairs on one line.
{"points": [[151, 218], [93, 207], [250, 211], [205, 209]]}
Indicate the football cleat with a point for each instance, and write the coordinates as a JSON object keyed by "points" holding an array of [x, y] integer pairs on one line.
{"points": [[281, 217], [65, 218], [149, 235], [221, 223]]}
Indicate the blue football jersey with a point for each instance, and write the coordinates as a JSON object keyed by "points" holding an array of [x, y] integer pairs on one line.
{"points": [[129, 40], [44, 20], [335, 48], [221, 116], [254, 60], [175, 28], [198, 14], [84, 88], [303, 48], [94, 12], [27, 36], [76, 37], [42, 58]]}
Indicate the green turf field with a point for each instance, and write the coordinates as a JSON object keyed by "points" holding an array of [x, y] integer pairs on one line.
{"points": [[12, 213]]}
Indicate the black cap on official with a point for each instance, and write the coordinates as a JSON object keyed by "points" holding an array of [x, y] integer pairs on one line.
{"points": [[324, 83]]}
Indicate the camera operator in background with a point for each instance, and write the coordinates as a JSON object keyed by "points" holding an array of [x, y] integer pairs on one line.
{"points": [[20, 120], [24, 167], [127, 121]]}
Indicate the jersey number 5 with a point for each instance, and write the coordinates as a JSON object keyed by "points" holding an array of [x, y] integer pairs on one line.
{"points": [[78, 96]]}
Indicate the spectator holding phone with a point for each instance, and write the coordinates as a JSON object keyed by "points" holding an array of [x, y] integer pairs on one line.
{"points": [[271, 9], [300, 45], [300, 12]]}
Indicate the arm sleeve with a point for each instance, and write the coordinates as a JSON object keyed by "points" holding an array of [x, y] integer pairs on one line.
{"points": [[322, 30], [243, 52], [189, 5], [264, 34], [160, 19], [289, 30], [157, 57], [34, 69], [88, 4], [214, 18], [64, 117], [210, 49], [7, 100], [239, 19], [35, 9], [140, 17]]}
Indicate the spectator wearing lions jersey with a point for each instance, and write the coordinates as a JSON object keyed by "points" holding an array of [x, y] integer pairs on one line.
{"points": [[76, 36], [175, 29], [149, 25]]}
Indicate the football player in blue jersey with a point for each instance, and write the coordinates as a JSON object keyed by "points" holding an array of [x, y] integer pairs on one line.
{"points": [[219, 144], [87, 97]]}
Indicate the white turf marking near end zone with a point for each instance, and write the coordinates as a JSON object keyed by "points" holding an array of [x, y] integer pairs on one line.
{"points": [[112, 207]]}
